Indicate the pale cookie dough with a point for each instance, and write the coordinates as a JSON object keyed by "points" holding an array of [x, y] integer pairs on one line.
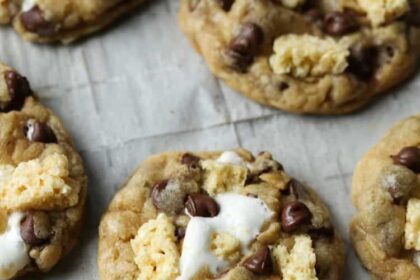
{"points": [[306, 56], [386, 192], [64, 21], [217, 215], [42, 182]]}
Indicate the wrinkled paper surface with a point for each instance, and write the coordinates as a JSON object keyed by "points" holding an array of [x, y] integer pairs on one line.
{"points": [[139, 88]]}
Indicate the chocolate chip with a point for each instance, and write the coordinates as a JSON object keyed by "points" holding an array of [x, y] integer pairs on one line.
{"points": [[283, 86], [409, 157], [201, 205], [35, 228], [156, 190], [314, 15], [180, 232], [190, 160], [18, 88], [245, 46], [294, 215], [226, 4], [34, 21], [413, 16], [39, 132], [340, 23], [363, 61], [260, 262], [322, 232], [295, 189]]}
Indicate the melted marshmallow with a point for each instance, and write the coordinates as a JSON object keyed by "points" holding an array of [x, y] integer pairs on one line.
{"points": [[14, 252], [28, 5], [240, 216], [230, 157]]}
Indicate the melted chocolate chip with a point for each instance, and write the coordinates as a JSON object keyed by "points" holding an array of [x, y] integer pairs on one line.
{"points": [[180, 232], [294, 215], [363, 61], [39, 132], [30, 234], [34, 21], [322, 232], [190, 160], [413, 16], [409, 157], [18, 88], [340, 23], [201, 205], [226, 4], [260, 262], [157, 188], [245, 46], [315, 15]]}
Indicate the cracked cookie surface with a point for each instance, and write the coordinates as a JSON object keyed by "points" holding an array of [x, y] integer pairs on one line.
{"points": [[43, 184], [63, 21], [225, 215], [305, 56], [386, 192]]}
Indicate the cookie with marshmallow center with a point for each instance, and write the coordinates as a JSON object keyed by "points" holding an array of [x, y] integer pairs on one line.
{"points": [[224, 215], [42, 182]]}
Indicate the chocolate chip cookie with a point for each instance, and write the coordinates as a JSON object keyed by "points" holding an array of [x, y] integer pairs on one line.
{"points": [[42, 182], [65, 20], [306, 56], [386, 192], [217, 215]]}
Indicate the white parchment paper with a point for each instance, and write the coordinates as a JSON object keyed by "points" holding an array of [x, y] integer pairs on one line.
{"points": [[139, 89]]}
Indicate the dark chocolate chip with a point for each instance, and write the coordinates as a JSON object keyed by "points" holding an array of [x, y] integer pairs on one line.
{"points": [[283, 86], [30, 234], [413, 16], [226, 4], [39, 132], [315, 15], [34, 21], [260, 262], [190, 160], [180, 232], [409, 157], [243, 49], [322, 232], [157, 188], [294, 215], [340, 23], [18, 88], [363, 61], [201, 205]]}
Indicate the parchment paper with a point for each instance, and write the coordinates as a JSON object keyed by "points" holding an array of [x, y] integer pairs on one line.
{"points": [[139, 89]]}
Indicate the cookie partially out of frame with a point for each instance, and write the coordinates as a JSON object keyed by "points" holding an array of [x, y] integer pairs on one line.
{"points": [[64, 20], [306, 56], [42, 182], [386, 193], [215, 215]]}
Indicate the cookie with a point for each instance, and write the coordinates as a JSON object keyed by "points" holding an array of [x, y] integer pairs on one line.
{"points": [[64, 21], [386, 192], [301, 56], [42, 182], [217, 215]]}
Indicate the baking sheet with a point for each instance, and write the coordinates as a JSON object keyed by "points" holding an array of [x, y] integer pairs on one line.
{"points": [[139, 89]]}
